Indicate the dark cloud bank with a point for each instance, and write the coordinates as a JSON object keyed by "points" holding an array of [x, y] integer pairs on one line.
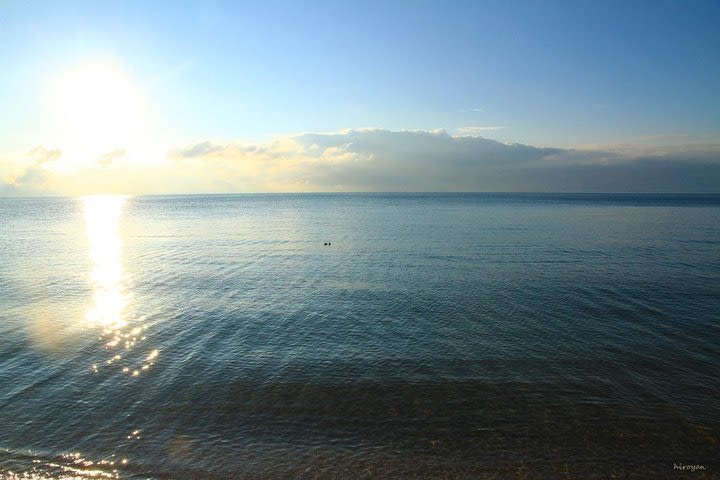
{"points": [[436, 161]]}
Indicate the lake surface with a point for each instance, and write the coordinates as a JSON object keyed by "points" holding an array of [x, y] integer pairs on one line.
{"points": [[438, 336]]}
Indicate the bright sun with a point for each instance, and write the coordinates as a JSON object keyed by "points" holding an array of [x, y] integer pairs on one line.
{"points": [[97, 107]]}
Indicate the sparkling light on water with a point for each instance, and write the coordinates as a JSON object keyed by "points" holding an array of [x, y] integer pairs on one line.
{"points": [[102, 215], [111, 296]]}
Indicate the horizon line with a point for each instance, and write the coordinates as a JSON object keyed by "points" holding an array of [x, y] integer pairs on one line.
{"points": [[359, 192]]}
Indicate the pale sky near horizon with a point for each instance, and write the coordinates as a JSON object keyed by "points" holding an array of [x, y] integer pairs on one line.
{"points": [[183, 97]]}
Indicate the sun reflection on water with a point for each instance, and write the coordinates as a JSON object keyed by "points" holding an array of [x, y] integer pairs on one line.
{"points": [[110, 285], [102, 217]]}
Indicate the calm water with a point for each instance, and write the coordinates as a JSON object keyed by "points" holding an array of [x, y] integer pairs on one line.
{"points": [[450, 336]]}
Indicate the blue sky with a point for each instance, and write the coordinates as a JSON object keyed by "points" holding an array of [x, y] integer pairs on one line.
{"points": [[562, 74]]}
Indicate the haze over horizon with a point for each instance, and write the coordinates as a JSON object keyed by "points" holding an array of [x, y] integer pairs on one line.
{"points": [[216, 97]]}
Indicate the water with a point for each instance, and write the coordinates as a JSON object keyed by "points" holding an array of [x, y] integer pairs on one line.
{"points": [[439, 335]]}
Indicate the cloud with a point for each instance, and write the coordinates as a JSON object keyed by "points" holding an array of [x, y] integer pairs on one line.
{"points": [[198, 150], [383, 160], [41, 155], [667, 139], [110, 157], [411, 160], [475, 131], [34, 177]]}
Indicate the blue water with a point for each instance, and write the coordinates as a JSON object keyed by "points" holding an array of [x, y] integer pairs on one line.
{"points": [[438, 336]]}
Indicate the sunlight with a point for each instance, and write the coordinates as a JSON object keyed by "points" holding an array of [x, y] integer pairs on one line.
{"points": [[111, 299], [102, 215], [98, 108]]}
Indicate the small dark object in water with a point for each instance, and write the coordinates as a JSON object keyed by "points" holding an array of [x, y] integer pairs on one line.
{"points": [[325, 243], [329, 243]]}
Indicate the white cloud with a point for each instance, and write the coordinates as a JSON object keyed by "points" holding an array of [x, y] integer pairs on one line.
{"points": [[474, 131]]}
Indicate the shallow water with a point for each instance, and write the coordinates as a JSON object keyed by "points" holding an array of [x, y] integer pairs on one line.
{"points": [[440, 335]]}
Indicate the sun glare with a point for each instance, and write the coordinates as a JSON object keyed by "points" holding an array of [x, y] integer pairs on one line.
{"points": [[97, 107], [102, 216]]}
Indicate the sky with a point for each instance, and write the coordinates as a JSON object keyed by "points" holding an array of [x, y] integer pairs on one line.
{"points": [[202, 97]]}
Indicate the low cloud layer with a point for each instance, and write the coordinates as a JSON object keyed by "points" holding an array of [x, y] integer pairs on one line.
{"points": [[380, 160], [476, 130]]}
